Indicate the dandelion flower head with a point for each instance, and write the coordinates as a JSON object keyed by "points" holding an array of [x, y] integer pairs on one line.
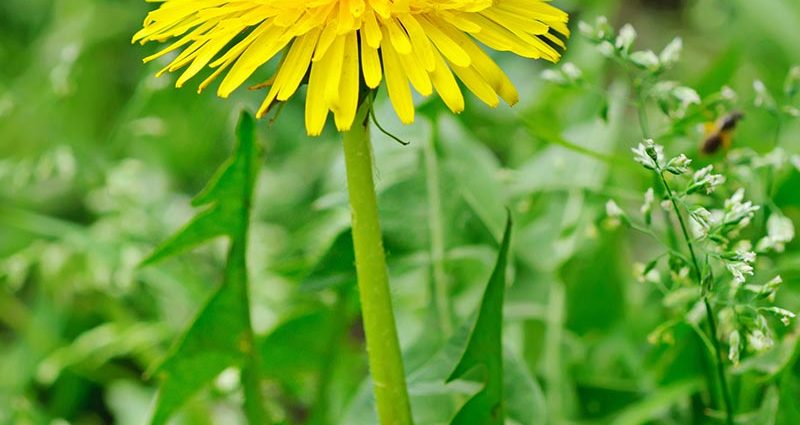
{"points": [[339, 46]]}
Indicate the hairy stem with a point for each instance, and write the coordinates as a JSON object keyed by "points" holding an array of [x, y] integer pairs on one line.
{"points": [[712, 321], [383, 347]]}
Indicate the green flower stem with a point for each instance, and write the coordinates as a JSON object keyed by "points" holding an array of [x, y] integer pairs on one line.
{"points": [[712, 321], [383, 347], [553, 354], [437, 234]]}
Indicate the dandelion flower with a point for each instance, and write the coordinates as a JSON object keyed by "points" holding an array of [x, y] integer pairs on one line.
{"points": [[338, 45]]}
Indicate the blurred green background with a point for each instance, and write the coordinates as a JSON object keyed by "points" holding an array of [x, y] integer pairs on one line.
{"points": [[98, 161]]}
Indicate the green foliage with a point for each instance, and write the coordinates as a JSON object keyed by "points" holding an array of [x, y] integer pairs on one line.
{"points": [[484, 352], [220, 337], [99, 161], [227, 199]]}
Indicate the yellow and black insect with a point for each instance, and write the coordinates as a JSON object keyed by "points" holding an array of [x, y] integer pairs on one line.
{"points": [[719, 135]]}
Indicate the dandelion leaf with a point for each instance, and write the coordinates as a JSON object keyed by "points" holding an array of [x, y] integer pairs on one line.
{"points": [[483, 356], [215, 341], [218, 337], [226, 199]]}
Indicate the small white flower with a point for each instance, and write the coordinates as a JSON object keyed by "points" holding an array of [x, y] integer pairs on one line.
{"points": [[766, 291], [643, 275], [599, 31], [738, 212], [626, 37], [748, 257], [687, 95], [704, 180], [672, 53], [728, 94], [614, 215], [650, 155], [763, 97], [647, 207], [785, 316], [734, 342], [701, 221], [759, 341], [773, 284], [572, 71], [780, 230], [679, 165], [613, 210], [739, 270], [553, 76], [777, 159], [586, 29], [606, 49], [568, 74], [697, 313], [646, 59], [792, 111], [792, 86], [702, 215]]}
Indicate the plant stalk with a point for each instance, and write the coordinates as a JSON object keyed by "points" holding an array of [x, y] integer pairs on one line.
{"points": [[436, 227], [712, 321], [383, 347]]}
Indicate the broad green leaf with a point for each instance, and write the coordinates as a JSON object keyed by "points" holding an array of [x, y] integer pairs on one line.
{"points": [[595, 291], [297, 346], [484, 353], [473, 169], [335, 268], [220, 336]]}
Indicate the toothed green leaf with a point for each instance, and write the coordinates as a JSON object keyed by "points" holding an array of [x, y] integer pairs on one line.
{"points": [[218, 338]]}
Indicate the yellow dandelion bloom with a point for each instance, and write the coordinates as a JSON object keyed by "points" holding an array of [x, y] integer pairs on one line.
{"points": [[338, 45]]}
